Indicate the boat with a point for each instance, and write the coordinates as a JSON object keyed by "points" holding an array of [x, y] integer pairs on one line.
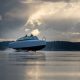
{"points": [[29, 43]]}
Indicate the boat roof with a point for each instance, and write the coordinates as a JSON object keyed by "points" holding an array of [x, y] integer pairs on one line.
{"points": [[31, 37]]}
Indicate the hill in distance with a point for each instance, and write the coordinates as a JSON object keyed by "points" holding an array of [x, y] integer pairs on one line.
{"points": [[51, 46]]}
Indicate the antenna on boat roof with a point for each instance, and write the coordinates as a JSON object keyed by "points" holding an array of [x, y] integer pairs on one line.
{"points": [[31, 34], [26, 35]]}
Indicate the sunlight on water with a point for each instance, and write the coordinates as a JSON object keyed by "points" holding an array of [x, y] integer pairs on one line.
{"points": [[53, 65], [34, 72]]}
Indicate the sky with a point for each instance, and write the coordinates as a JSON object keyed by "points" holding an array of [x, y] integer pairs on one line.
{"points": [[53, 19]]}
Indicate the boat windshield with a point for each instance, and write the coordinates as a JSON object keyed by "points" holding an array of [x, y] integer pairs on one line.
{"points": [[28, 38]]}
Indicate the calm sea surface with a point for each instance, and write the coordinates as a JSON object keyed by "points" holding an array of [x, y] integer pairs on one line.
{"points": [[40, 66]]}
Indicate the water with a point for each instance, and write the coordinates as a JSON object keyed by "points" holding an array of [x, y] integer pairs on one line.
{"points": [[42, 66]]}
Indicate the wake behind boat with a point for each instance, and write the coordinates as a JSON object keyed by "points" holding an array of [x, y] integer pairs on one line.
{"points": [[29, 43]]}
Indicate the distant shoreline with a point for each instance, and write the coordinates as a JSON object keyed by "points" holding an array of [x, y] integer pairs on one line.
{"points": [[51, 45]]}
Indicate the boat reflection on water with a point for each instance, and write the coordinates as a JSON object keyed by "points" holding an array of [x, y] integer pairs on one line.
{"points": [[33, 63], [26, 56]]}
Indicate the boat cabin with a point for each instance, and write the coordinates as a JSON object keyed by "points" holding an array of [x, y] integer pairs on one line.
{"points": [[31, 37]]}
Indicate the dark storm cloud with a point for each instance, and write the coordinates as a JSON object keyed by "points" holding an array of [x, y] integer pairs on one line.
{"points": [[13, 15], [9, 23], [7, 5]]}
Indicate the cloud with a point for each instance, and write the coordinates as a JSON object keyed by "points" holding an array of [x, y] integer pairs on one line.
{"points": [[58, 18], [0, 17], [52, 14], [39, 1]]}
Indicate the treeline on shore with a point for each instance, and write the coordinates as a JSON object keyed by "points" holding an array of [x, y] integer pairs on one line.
{"points": [[51, 46]]}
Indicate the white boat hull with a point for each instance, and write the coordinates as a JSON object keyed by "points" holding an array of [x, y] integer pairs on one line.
{"points": [[30, 45]]}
